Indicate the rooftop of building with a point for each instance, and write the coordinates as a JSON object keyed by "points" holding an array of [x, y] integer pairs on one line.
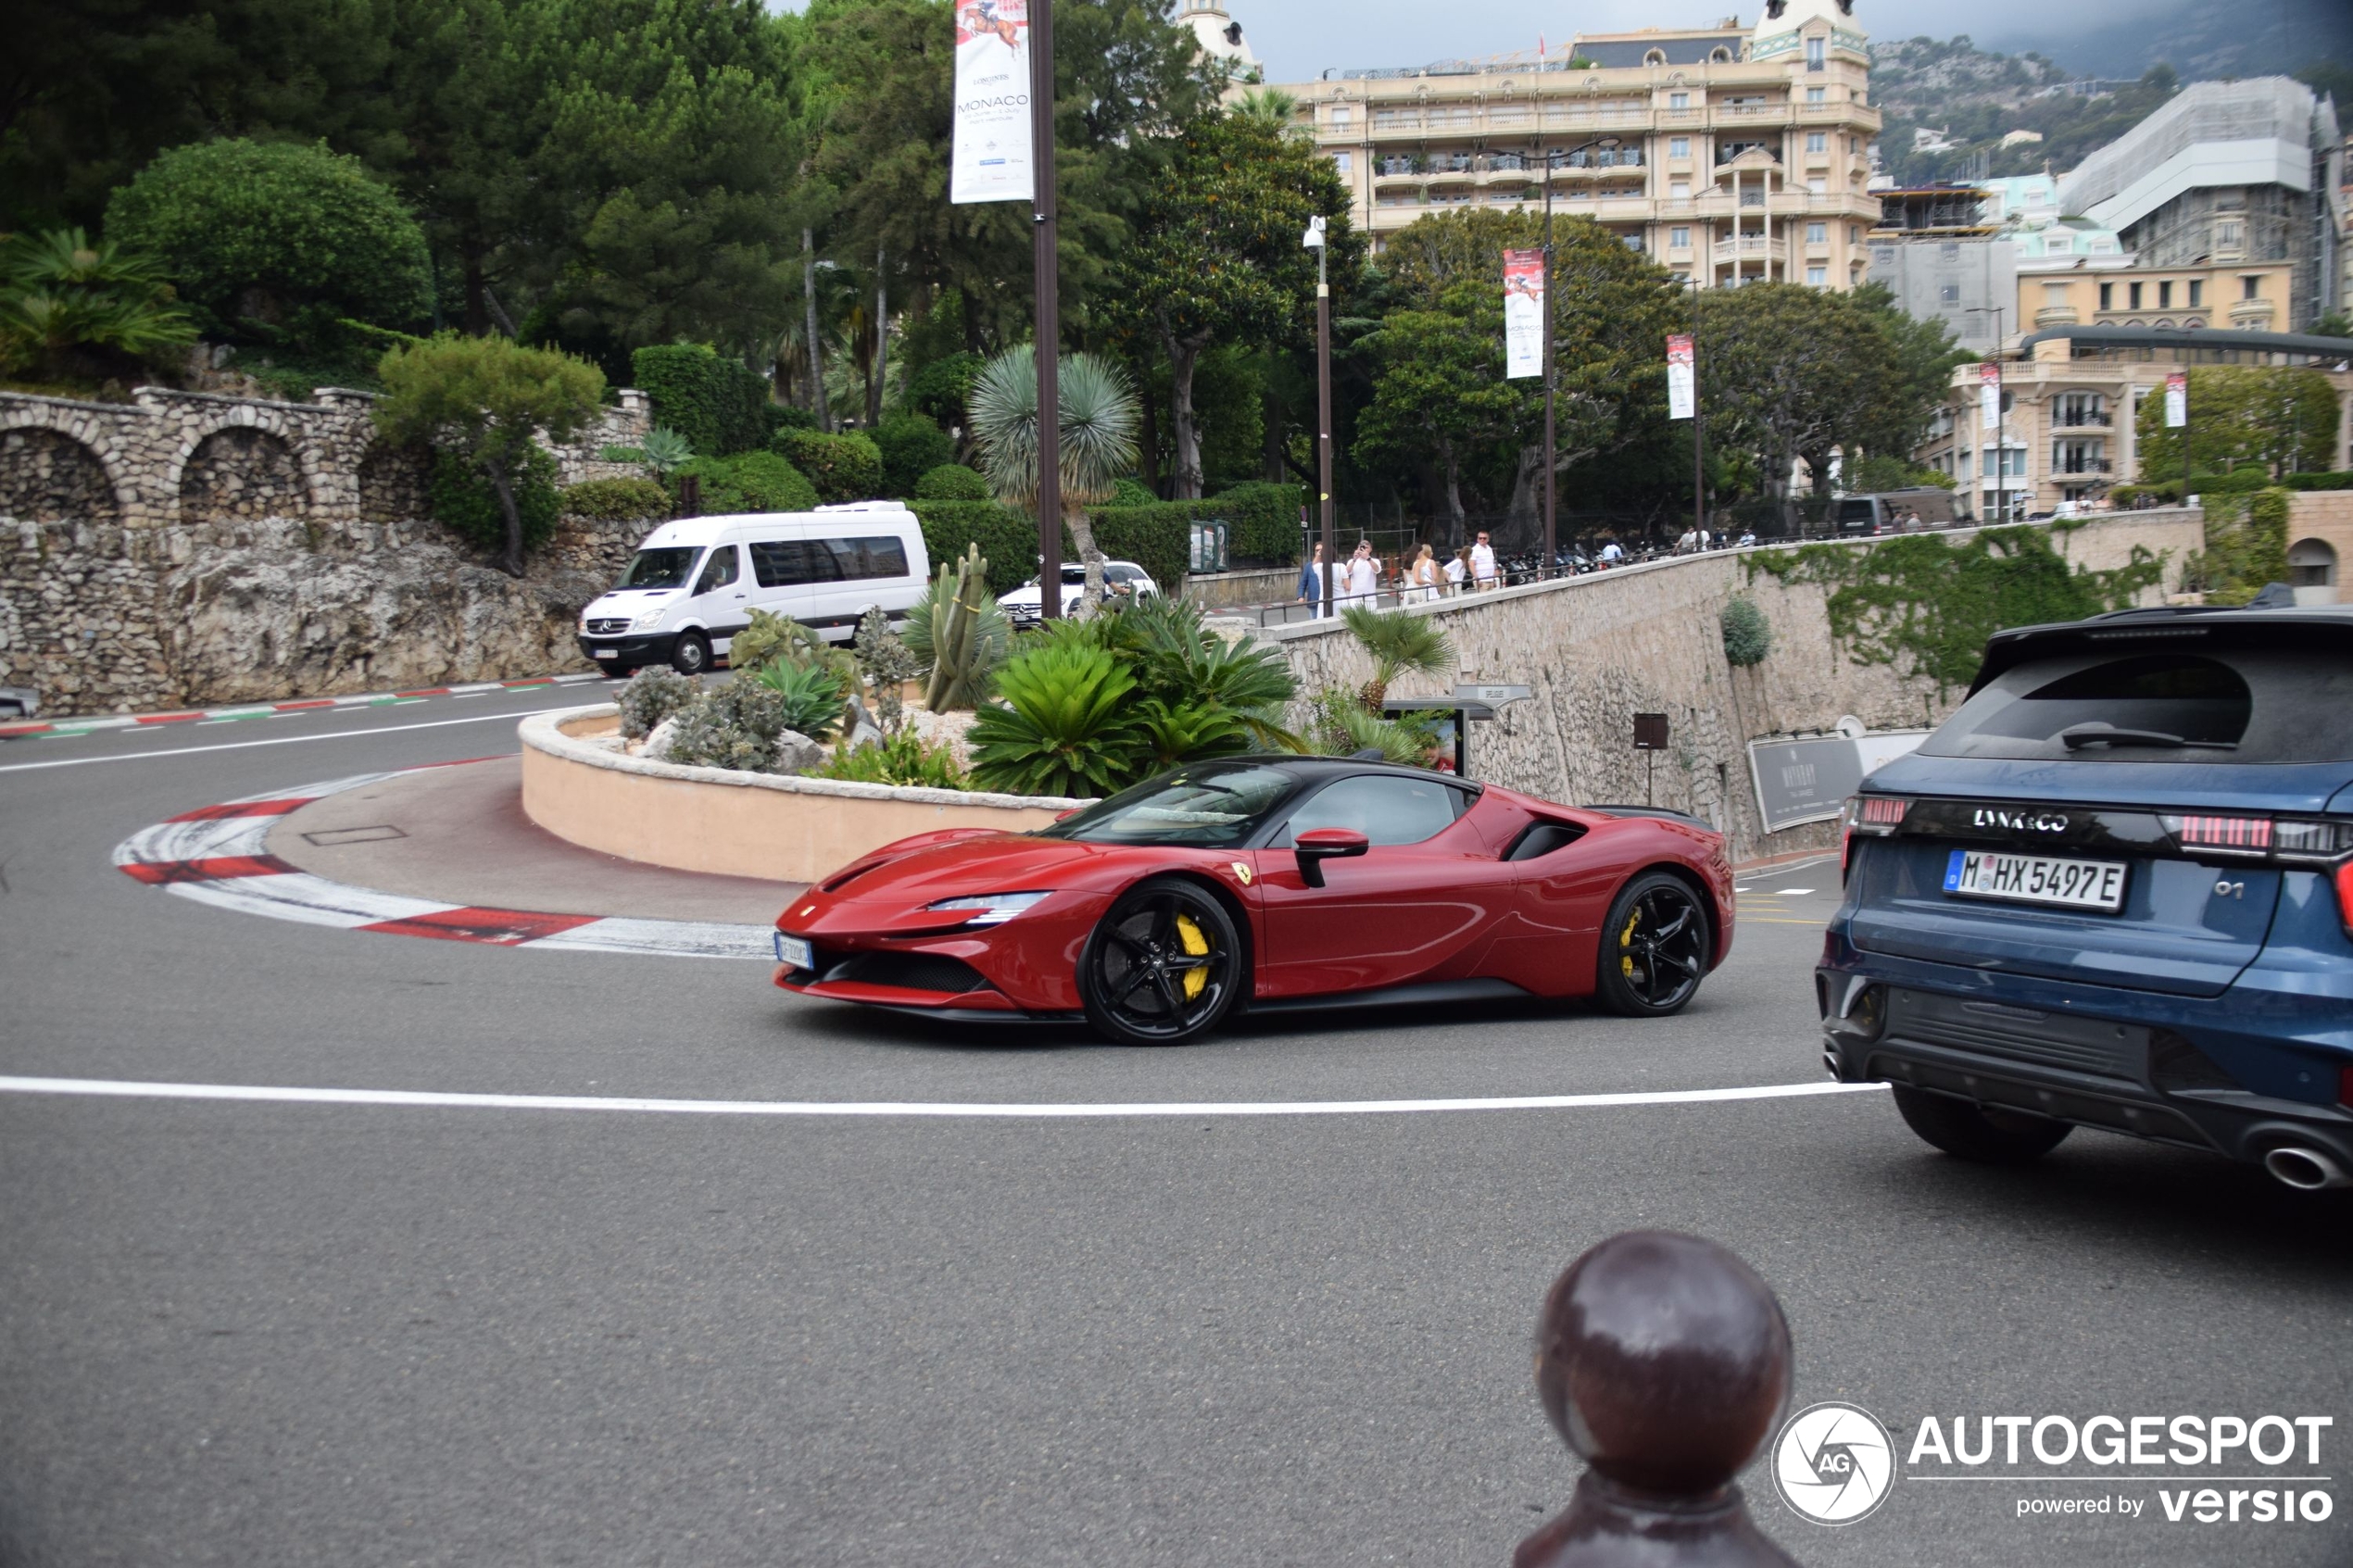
{"points": [[2119, 183]]}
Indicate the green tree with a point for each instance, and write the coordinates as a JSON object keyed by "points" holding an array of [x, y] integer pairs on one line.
{"points": [[1216, 255], [2283, 418], [1438, 393], [1096, 440], [483, 399], [276, 242], [74, 307]]}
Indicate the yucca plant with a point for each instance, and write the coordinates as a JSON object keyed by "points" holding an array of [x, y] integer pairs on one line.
{"points": [[812, 695], [665, 450], [1097, 422], [1400, 643], [1067, 724]]}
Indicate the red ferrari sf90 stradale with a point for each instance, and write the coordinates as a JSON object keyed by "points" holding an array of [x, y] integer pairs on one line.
{"points": [[1267, 883]]}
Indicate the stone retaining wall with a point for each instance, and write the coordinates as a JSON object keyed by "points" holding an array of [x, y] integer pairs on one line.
{"points": [[190, 549], [1599, 649]]}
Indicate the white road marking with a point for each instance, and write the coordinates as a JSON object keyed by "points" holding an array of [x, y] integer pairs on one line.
{"points": [[1792, 892], [415, 1098], [281, 740]]}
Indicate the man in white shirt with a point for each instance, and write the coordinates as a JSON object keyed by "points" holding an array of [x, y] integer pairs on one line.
{"points": [[1360, 578], [1611, 554], [1483, 562]]}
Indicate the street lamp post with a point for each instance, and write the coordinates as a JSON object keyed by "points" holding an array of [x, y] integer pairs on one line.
{"points": [[1314, 240], [1047, 262], [2000, 415], [1552, 160]]}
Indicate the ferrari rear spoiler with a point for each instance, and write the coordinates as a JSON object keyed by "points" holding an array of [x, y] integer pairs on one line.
{"points": [[1650, 811]]}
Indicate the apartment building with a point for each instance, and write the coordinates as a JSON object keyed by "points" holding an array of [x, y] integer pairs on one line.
{"points": [[1730, 155]]}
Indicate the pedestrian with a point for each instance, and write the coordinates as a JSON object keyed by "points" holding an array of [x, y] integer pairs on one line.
{"points": [[1748, 537], [1612, 552], [1483, 563], [1311, 581], [1687, 542], [1421, 578], [1359, 575], [1457, 571]]}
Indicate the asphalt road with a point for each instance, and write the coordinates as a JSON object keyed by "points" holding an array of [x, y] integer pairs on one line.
{"points": [[259, 1334]]}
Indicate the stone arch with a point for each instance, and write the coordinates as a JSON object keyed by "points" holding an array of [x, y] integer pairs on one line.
{"points": [[243, 472], [2311, 563], [47, 476], [394, 482]]}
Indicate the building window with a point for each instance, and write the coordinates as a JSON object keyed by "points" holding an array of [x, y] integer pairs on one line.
{"points": [[1817, 234], [1679, 189], [1340, 116], [1678, 239], [1678, 146], [1679, 100], [2198, 293], [1343, 163], [1818, 141], [1633, 242], [1818, 187], [1817, 276], [1654, 58], [1816, 54], [1816, 94], [1855, 234], [2250, 287], [1854, 146], [1949, 295], [2108, 296], [2229, 236], [2132, 297], [2165, 295]]}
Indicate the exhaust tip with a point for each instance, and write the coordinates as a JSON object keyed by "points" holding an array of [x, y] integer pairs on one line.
{"points": [[1830, 1064], [2306, 1170]]}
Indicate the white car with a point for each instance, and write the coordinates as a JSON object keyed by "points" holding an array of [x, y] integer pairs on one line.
{"points": [[1122, 579]]}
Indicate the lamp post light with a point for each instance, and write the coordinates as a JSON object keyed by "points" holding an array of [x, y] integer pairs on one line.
{"points": [[1045, 258], [1551, 161], [1314, 240]]}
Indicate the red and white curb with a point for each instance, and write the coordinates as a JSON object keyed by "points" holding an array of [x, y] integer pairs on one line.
{"points": [[220, 855], [58, 729]]}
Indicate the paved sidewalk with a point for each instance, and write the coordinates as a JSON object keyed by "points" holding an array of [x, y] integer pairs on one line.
{"points": [[458, 834], [58, 729]]}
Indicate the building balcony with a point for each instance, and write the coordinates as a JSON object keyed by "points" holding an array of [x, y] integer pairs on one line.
{"points": [[2081, 467], [1752, 114], [1746, 246], [2252, 315], [2082, 419], [2056, 316]]}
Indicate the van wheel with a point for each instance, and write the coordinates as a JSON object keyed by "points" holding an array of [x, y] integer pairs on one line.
{"points": [[692, 656], [1987, 1138], [613, 671]]}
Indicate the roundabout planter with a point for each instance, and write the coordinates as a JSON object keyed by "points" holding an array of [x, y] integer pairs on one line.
{"points": [[715, 819]]}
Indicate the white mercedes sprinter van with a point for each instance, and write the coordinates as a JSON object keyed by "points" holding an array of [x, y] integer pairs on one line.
{"points": [[695, 582]]}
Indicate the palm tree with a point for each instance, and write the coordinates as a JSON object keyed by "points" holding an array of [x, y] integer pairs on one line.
{"points": [[1269, 104], [1097, 426], [1400, 643], [75, 305]]}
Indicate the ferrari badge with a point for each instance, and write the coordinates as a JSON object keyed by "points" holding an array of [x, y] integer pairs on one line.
{"points": [[1241, 873]]}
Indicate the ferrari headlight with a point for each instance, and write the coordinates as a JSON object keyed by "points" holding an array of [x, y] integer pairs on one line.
{"points": [[995, 908]]}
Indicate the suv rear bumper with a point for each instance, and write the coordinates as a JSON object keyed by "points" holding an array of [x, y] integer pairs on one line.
{"points": [[2201, 1073]]}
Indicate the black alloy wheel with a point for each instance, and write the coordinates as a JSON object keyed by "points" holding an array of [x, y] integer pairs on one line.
{"points": [[692, 656], [1655, 948], [1164, 966]]}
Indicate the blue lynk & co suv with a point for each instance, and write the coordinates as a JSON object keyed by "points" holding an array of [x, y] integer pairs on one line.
{"points": [[2115, 890]]}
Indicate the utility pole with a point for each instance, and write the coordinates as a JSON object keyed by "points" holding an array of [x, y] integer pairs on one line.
{"points": [[1699, 418], [1606, 144], [1314, 240], [808, 301], [1049, 309]]}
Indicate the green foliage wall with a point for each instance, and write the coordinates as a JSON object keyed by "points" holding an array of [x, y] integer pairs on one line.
{"points": [[749, 482], [1925, 606], [462, 499], [843, 467], [2276, 418], [716, 402], [278, 242], [1008, 538], [912, 446], [615, 500], [1264, 520], [2246, 547]]}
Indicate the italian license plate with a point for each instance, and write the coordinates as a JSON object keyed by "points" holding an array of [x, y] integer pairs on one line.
{"points": [[794, 951], [607, 653], [2036, 879]]}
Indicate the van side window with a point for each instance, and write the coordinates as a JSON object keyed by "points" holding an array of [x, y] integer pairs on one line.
{"points": [[720, 571], [867, 557], [786, 563]]}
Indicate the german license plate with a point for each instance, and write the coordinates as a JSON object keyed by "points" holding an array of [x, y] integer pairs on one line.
{"points": [[2036, 879], [607, 653], [794, 951]]}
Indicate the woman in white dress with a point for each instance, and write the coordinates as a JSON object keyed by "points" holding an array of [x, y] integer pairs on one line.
{"points": [[1421, 578]]}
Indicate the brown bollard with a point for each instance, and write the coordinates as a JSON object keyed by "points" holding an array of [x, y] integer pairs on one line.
{"points": [[1664, 1361]]}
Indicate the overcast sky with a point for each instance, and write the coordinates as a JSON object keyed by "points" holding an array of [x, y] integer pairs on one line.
{"points": [[1300, 39]]}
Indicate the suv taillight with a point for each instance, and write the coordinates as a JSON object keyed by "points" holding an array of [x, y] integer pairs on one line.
{"points": [[1872, 816], [2345, 907], [2323, 843]]}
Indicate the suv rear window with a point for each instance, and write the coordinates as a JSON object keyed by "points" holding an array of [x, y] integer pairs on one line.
{"points": [[2220, 705]]}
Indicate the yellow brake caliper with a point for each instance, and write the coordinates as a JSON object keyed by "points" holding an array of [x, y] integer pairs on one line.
{"points": [[1625, 940], [1196, 945]]}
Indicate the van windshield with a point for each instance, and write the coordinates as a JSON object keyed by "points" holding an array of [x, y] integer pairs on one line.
{"points": [[665, 568]]}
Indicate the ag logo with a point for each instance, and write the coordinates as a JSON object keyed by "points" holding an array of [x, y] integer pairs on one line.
{"points": [[1241, 873], [1833, 1463]]}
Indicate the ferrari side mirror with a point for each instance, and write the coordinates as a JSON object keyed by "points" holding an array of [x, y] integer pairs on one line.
{"points": [[1318, 844]]}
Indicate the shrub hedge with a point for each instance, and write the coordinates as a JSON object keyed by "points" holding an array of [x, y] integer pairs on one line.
{"points": [[951, 481], [752, 482], [614, 500], [2339, 480], [717, 402], [843, 467], [1157, 537], [1007, 537], [912, 446]]}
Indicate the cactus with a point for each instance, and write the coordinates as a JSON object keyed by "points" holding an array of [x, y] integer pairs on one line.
{"points": [[967, 633]]}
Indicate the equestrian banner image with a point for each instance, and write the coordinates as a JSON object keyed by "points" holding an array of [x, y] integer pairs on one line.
{"points": [[1523, 313], [992, 158], [1989, 395], [1681, 400]]}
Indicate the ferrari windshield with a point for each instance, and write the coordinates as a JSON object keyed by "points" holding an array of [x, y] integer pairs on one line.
{"points": [[1208, 806]]}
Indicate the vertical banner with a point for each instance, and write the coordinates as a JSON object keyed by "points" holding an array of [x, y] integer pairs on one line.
{"points": [[1989, 395], [992, 155], [2177, 399], [1681, 396], [1523, 313]]}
